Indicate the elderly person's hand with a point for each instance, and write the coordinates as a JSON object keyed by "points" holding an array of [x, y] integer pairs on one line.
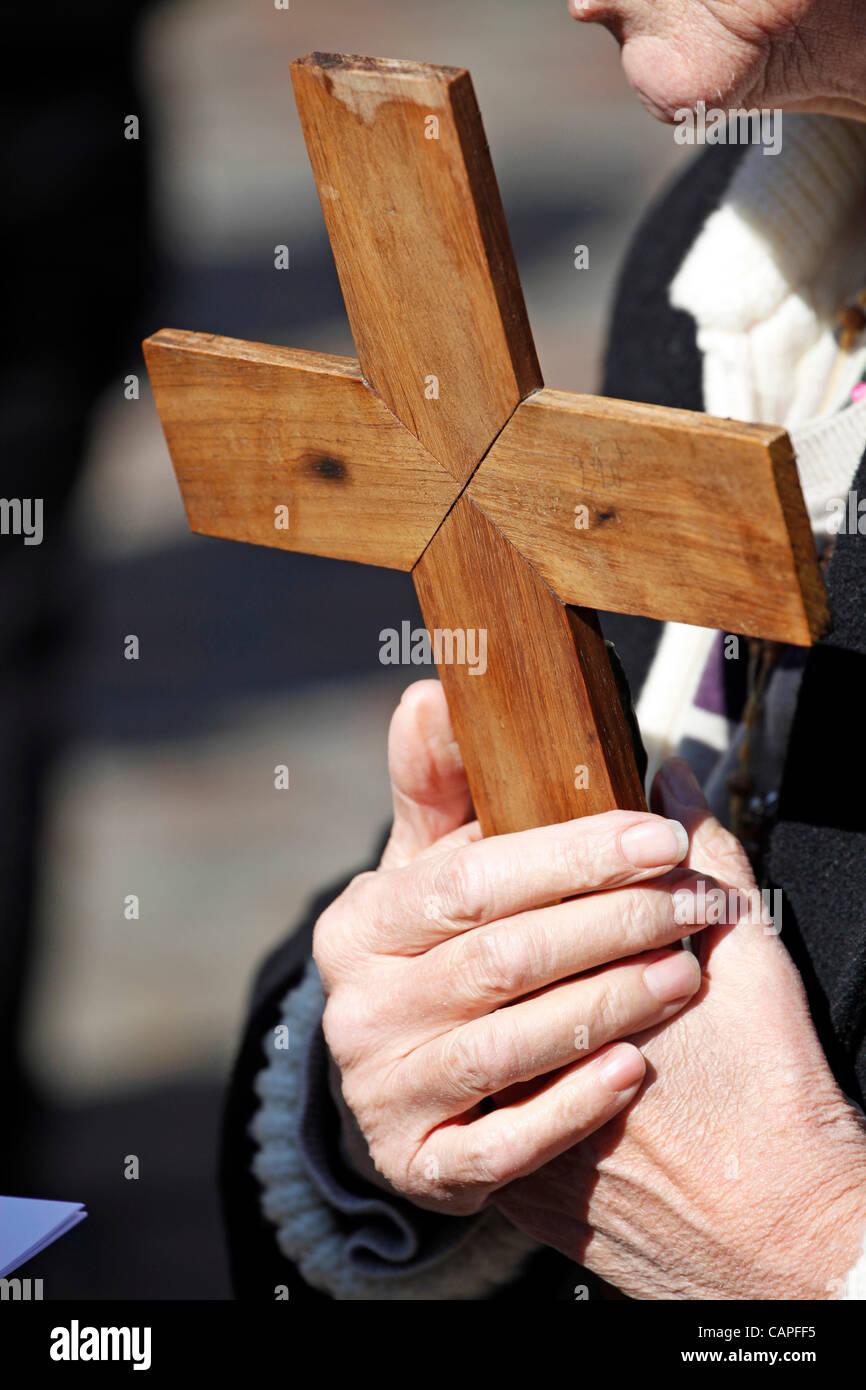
{"points": [[798, 55], [740, 1170], [451, 978]]}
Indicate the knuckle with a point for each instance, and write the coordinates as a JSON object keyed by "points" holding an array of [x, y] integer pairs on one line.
{"points": [[346, 1029], [466, 1063], [572, 857], [570, 1106], [485, 1162], [458, 1190], [606, 1010], [337, 926], [458, 887], [589, 853], [646, 914], [488, 972], [356, 891], [325, 948], [355, 899]]}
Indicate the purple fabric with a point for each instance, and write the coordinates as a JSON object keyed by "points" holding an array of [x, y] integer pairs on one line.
{"points": [[711, 688]]}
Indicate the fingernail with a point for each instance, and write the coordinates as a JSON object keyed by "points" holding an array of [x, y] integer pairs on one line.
{"points": [[622, 1068], [683, 783], [673, 978], [654, 842]]}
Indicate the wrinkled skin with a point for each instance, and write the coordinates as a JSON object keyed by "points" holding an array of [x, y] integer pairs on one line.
{"points": [[799, 55], [472, 1016], [740, 1170]]}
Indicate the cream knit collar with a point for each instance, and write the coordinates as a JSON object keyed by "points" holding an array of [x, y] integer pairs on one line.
{"points": [[764, 280], [770, 267]]}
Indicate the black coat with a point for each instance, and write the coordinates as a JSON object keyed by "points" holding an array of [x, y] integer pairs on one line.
{"points": [[818, 847]]}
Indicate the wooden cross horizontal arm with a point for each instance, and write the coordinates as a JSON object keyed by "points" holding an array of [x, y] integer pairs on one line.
{"points": [[440, 452], [669, 514], [293, 449]]}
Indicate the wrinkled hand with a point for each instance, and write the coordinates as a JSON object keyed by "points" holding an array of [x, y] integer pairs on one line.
{"points": [[450, 977], [740, 1170]]}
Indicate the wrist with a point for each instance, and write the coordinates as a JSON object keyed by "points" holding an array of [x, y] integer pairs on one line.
{"points": [[839, 1245], [830, 1219]]}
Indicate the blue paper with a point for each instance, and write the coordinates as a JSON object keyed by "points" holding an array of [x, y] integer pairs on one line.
{"points": [[28, 1225]]}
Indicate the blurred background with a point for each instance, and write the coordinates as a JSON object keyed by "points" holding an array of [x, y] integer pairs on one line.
{"points": [[155, 777]]}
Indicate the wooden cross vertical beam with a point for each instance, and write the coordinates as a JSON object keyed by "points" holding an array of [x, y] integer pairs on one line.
{"points": [[419, 237], [439, 452], [553, 742]]}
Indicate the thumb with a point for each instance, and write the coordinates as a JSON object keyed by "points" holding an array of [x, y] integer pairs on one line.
{"points": [[428, 781], [713, 850], [716, 853]]}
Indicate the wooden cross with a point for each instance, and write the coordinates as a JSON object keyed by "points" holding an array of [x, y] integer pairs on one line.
{"points": [[439, 451]]}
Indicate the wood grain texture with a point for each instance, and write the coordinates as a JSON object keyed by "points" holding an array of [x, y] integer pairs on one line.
{"points": [[421, 246], [690, 519], [252, 428], [545, 706]]}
